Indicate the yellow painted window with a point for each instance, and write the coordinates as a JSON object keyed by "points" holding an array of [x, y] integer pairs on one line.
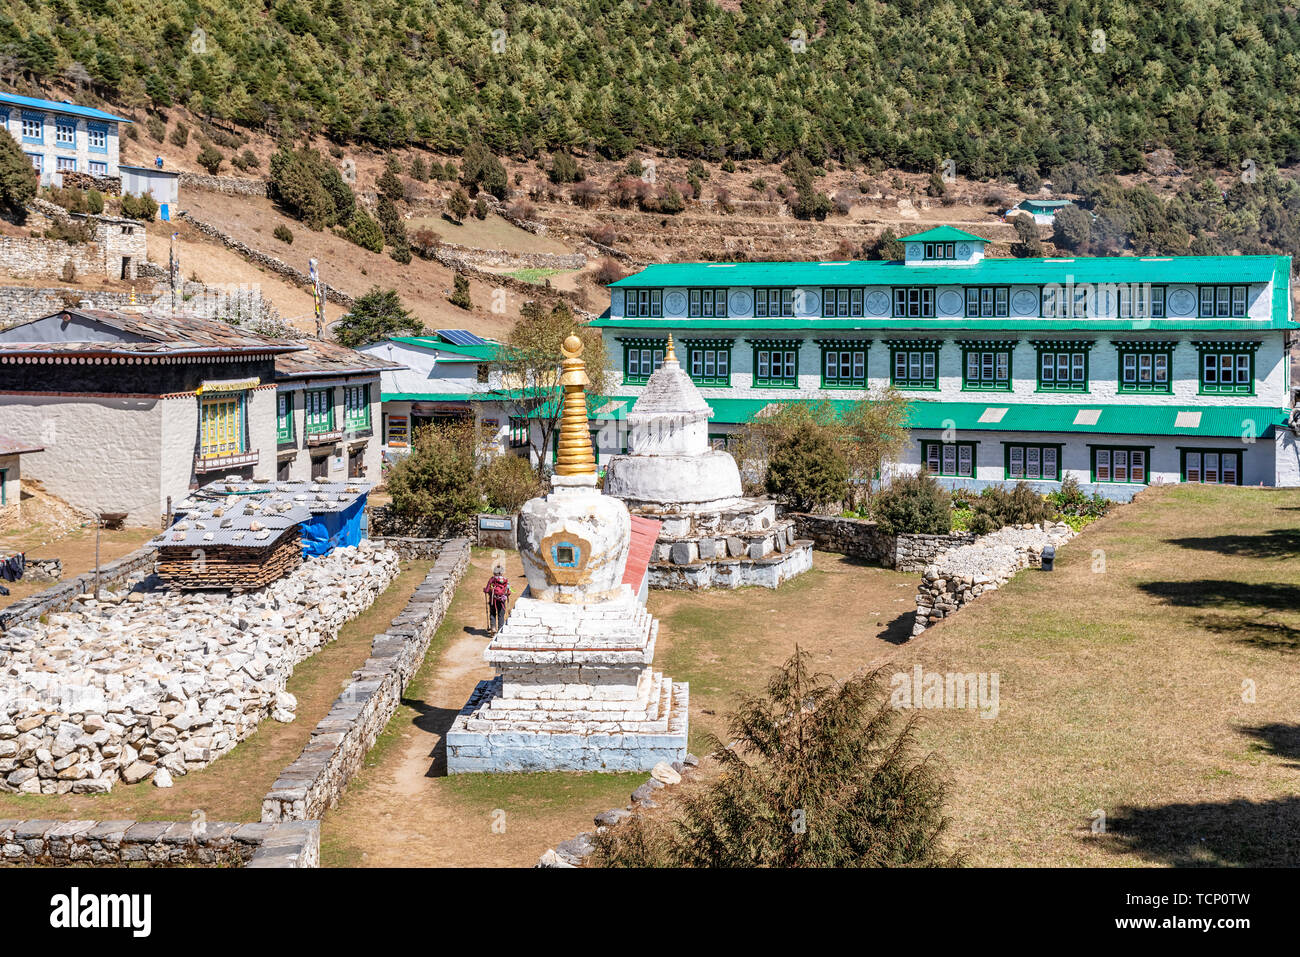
{"points": [[220, 426]]}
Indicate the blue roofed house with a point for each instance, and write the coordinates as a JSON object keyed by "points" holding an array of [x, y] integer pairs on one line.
{"points": [[1121, 371], [62, 137]]}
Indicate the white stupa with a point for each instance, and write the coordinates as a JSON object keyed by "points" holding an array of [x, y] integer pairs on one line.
{"points": [[576, 689], [710, 534]]}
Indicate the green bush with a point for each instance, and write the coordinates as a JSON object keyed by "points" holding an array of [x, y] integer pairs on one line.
{"points": [[460, 293], [180, 135], [157, 129], [283, 233], [309, 188], [210, 159], [807, 471], [1071, 502], [913, 505], [438, 480], [365, 232], [458, 204], [480, 169], [143, 207], [376, 315], [996, 508], [565, 169], [94, 201], [508, 481]]}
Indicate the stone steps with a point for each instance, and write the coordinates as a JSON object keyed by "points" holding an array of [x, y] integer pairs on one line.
{"points": [[498, 716]]}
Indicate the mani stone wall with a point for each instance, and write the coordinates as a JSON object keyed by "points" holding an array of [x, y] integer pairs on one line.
{"points": [[62, 595], [158, 844], [962, 574], [314, 782]]}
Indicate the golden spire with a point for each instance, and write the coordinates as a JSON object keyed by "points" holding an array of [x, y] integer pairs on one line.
{"points": [[670, 355], [574, 455]]}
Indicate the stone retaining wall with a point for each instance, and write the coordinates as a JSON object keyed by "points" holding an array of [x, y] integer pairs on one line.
{"points": [[384, 522], [61, 596], [32, 258], [338, 745], [456, 255], [278, 266], [962, 574], [864, 539], [159, 844], [230, 185], [20, 303]]}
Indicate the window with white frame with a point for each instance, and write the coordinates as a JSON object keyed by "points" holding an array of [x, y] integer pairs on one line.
{"points": [[640, 360], [842, 301], [643, 303], [1062, 369], [940, 251], [986, 302], [986, 368], [97, 137], [98, 168], [33, 127], [1034, 462], [1212, 466], [773, 303], [914, 367], [1223, 302], [844, 366], [1069, 302], [1141, 301], [1119, 466], [65, 132], [1146, 368], [950, 459], [1227, 370], [914, 302], [776, 367], [710, 364], [65, 164], [708, 303]]}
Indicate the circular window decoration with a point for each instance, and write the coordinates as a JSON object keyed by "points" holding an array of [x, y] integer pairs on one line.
{"points": [[675, 304], [877, 303], [963, 250], [949, 303], [739, 303], [1182, 302], [810, 302], [1025, 303]]}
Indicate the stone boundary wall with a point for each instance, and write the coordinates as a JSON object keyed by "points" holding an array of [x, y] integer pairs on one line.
{"points": [[383, 522], [313, 783], [864, 539], [229, 185], [278, 266], [454, 253], [158, 844], [530, 290], [21, 303], [62, 595], [411, 549], [24, 257]]}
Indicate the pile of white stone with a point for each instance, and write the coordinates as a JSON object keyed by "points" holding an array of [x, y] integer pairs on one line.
{"points": [[964, 573], [158, 683]]}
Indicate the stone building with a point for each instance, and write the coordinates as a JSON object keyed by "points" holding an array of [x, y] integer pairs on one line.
{"points": [[576, 689], [117, 249], [328, 401], [62, 137], [133, 409], [1119, 371]]}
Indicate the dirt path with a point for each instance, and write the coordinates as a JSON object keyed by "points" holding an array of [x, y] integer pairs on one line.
{"points": [[403, 810]]}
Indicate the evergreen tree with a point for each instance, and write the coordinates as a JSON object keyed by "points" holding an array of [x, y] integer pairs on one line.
{"points": [[375, 316], [18, 181]]}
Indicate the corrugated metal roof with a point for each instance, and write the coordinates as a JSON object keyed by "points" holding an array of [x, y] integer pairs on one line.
{"points": [[1097, 269], [813, 324], [315, 497], [946, 234], [30, 102], [485, 351]]}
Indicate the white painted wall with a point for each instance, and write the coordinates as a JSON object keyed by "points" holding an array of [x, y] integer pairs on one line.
{"points": [[49, 149]]}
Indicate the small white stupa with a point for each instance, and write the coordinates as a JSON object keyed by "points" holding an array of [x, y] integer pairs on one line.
{"points": [[576, 689], [710, 535]]}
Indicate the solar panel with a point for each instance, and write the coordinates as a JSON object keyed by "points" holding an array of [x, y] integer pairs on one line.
{"points": [[461, 337]]}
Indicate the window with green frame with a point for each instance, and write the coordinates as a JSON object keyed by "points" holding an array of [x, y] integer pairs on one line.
{"points": [[1032, 461], [986, 366], [773, 303], [955, 459], [707, 303], [1211, 466], [842, 301], [518, 431], [1145, 366], [709, 361], [776, 364], [4, 483], [1227, 368], [1062, 366], [319, 407], [643, 303], [1121, 464], [641, 357], [844, 364], [987, 302], [914, 364], [356, 407], [284, 418]]}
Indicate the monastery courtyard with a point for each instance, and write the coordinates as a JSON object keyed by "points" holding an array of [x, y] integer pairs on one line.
{"points": [[1121, 692]]}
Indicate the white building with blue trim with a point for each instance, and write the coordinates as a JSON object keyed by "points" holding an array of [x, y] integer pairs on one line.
{"points": [[1121, 371], [62, 137]]}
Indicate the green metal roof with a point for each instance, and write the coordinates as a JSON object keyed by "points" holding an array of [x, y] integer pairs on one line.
{"points": [[435, 396], [1096, 269], [1097, 418], [476, 352], [943, 234], [813, 324]]}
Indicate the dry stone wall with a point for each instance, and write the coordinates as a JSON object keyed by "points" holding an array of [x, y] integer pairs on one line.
{"points": [[229, 185], [159, 844], [338, 745], [864, 539], [962, 574], [151, 684]]}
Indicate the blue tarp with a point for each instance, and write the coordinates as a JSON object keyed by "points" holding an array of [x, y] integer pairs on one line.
{"points": [[322, 533]]}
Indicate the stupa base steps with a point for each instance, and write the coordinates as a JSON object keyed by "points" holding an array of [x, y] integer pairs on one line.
{"points": [[767, 572], [494, 734]]}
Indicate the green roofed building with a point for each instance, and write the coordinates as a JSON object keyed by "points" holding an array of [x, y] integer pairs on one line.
{"points": [[1121, 371]]}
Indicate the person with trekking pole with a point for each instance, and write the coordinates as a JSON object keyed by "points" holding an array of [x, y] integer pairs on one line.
{"points": [[497, 595]]}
